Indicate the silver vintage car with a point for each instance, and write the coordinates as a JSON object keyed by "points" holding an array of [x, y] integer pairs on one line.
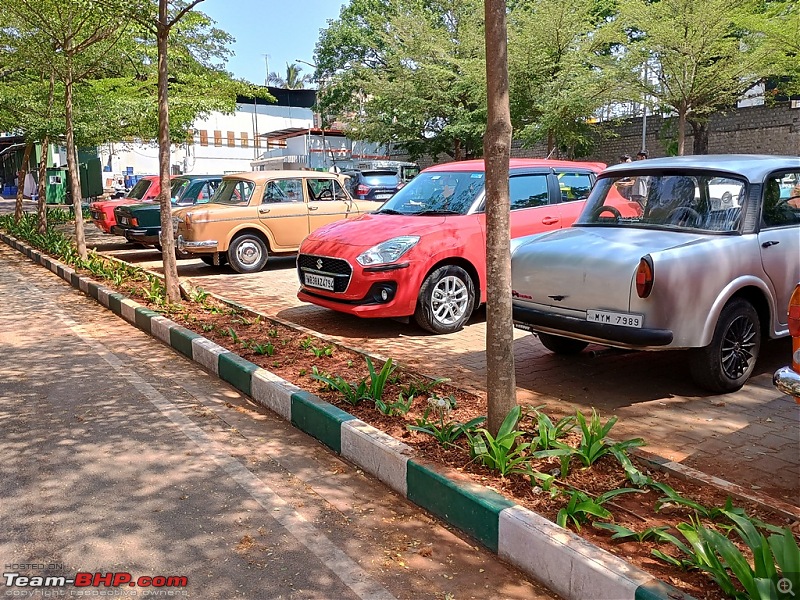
{"points": [[670, 266]]}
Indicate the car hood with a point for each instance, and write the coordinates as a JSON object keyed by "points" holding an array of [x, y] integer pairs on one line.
{"points": [[584, 268], [367, 230]]}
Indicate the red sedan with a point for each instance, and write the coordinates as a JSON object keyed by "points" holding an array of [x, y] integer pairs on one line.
{"points": [[423, 253], [145, 190]]}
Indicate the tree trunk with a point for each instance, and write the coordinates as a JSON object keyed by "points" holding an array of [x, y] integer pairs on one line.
{"points": [[41, 208], [72, 168], [681, 130], [457, 149], [171, 281], [21, 174], [700, 142], [501, 385]]}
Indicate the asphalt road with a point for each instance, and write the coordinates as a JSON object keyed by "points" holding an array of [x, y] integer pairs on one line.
{"points": [[121, 456]]}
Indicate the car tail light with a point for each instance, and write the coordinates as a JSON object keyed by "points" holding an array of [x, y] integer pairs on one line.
{"points": [[362, 190], [794, 313], [644, 277]]}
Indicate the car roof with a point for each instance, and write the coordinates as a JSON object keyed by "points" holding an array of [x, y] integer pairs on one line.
{"points": [[754, 167], [261, 176], [196, 177], [518, 163]]}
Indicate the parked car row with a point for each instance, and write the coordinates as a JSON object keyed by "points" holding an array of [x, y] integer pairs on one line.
{"points": [[703, 258]]}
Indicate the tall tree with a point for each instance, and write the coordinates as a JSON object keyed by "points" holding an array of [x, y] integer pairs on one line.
{"points": [[408, 72], [501, 388], [560, 71], [74, 38], [702, 56], [293, 80]]}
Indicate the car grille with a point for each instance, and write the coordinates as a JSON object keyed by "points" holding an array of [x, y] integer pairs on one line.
{"points": [[324, 265]]}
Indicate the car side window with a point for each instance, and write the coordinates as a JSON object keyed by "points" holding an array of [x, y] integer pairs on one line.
{"points": [[325, 189], [283, 190], [528, 191], [574, 186], [781, 201]]}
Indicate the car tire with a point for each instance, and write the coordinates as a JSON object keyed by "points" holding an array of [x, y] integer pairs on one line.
{"points": [[728, 361], [209, 260], [247, 253], [561, 345], [446, 300]]}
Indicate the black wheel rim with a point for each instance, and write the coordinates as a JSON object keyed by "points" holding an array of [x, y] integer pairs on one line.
{"points": [[738, 346]]}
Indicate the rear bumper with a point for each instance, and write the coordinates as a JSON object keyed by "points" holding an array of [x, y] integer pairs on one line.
{"points": [[201, 246], [531, 319], [787, 380], [140, 236]]}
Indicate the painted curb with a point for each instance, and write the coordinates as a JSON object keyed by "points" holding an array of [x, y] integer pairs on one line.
{"points": [[565, 562]]}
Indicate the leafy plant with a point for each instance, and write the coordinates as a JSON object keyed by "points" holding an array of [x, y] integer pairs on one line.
{"points": [[352, 393], [155, 293], [547, 433], [420, 387], [622, 533], [712, 552], [268, 348], [401, 406], [445, 433], [503, 453], [198, 295], [207, 327], [580, 506], [230, 332], [273, 332]]}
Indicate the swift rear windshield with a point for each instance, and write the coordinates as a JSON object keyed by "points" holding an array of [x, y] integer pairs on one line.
{"points": [[437, 192], [677, 201]]}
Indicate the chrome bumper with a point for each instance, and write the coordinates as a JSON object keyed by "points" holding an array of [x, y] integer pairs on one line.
{"points": [[201, 245], [787, 380]]}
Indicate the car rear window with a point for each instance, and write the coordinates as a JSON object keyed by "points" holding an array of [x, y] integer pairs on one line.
{"points": [[140, 189], [380, 178]]}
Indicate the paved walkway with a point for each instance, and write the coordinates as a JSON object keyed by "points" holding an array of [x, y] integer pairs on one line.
{"points": [[120, 455]]}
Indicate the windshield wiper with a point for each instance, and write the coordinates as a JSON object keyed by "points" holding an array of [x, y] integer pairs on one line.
{"points": [[387, 211], [436, 211]]}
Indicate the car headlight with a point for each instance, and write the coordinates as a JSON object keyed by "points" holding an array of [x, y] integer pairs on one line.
{"points": [[176, 221], [388, 251]]}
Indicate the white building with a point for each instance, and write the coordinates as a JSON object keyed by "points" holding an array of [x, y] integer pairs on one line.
{"points": [[218, 144]]}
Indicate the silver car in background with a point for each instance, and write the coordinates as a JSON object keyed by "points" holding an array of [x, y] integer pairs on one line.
{"points": [[670, 266]]}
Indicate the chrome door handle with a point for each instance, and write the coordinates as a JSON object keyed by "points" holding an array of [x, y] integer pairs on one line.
{"points": [[313, 208], [263, 209], [769, 243]]}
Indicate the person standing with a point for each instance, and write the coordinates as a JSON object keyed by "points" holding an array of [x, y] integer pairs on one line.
{"points": [[639, 190]]}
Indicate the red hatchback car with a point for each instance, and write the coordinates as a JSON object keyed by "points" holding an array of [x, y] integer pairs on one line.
{"points": [[423, 252], [145, 190]]}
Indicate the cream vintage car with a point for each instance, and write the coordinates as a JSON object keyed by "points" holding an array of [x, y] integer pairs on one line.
{"points": [[254, 214]]}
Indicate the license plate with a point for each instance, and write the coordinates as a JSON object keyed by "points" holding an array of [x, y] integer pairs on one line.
{"points": [[319, 281], [382, 196], [95, 214], [123, 220], [522, 326], [615, 318]]}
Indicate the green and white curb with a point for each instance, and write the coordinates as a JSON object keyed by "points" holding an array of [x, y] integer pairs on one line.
{"points": [[566, 563]]}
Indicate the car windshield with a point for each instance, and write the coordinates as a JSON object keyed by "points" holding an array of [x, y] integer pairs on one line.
{"points": [[233, 191], [437, 192], [675, 201], [140, 189], [177, 189]]}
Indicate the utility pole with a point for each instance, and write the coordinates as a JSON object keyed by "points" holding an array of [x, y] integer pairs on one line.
{"points": [[266, 64]]}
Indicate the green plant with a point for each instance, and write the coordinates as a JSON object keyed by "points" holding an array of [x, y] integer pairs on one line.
{"points": [[623, 533], [401, 406], [155, 293], [502, 453], [421, 387], [207, 327], [378, 379], [230, 332], [320, 352], [268, 348], [712, 552], [198, 295], [352, 393], [548, 433], [580, 506], [445, 433], [272, 332]]}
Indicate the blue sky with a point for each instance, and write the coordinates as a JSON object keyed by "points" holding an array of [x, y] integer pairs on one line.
{"points": [[286, 30]]}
